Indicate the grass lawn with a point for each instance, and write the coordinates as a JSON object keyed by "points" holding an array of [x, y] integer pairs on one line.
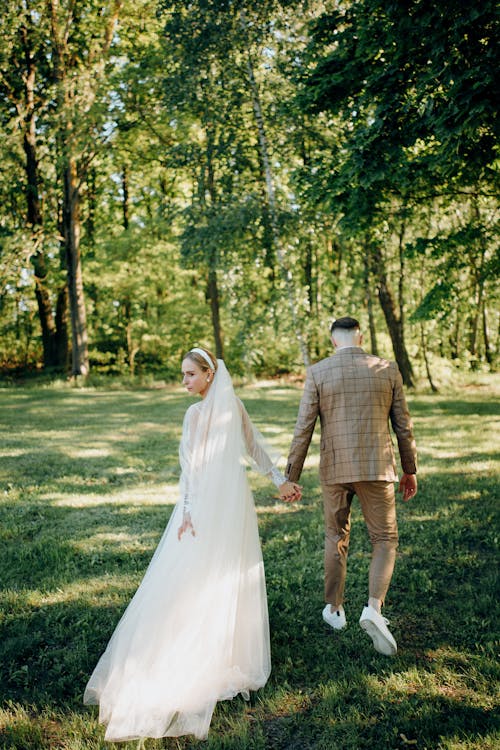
{"points": [[87, 483]]}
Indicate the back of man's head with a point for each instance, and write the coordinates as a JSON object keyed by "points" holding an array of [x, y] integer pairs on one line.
{"points": [[345, 332]]}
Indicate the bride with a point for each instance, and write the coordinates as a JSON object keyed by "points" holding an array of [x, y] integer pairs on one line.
{"points": [[197, 630]]}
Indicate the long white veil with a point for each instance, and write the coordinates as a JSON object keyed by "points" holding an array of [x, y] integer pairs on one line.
{"points": [[196, 631]]}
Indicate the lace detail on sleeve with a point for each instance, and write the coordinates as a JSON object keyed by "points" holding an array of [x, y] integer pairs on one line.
{"points": [[263, 457], [185, 457], [277, 477]]}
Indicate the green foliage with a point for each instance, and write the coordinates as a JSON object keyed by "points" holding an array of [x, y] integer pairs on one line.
{"points": [[438, 300], [414, 75], [379, 119], [87, 481], [397, 80], [140, 294]]}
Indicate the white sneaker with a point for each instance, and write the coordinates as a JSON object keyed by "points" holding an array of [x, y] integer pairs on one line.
{"points": [[376, 627], [336, 619]]}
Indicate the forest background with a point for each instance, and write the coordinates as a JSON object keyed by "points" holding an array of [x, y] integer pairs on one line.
{"points": [[236, 174]]}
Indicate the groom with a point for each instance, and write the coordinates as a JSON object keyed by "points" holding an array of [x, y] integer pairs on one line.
{"points": [[355, 395]]}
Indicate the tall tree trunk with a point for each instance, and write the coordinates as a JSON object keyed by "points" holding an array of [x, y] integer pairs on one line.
{"points": [[402, 273], [68, 65], [312, 285], [125, 197], [367, 278], [476, 312], [454, 338], [62, 339], [213, 296], [271, 200], [486, 336], [423, 343], [308, 276], [477, 272], [44, 304], [212, 283], [133, 348], [34, 217], [267, 233], [310, 263], [475, 318], [91, 210], [389, 308], [71, 229]]}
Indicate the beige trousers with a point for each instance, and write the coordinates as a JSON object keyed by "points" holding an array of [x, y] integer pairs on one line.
{"points": [[378, 504]]}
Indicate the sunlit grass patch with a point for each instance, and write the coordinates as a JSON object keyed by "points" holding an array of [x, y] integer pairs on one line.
{"points": [[166, 494]]}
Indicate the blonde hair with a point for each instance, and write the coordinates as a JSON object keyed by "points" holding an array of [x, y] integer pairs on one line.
{"points": [[198, 359]]}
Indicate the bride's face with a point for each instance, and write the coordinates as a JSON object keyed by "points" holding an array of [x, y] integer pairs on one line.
{"points": [[194, 379]]}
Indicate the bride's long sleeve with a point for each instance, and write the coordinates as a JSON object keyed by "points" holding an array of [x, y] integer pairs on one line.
{"points": [[186, 457], [258, 451]]}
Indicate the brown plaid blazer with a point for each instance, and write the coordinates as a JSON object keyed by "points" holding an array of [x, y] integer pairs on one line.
{"points": [[355, 395]]}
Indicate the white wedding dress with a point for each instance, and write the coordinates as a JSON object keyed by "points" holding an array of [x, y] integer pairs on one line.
{"points": [[196, 631]]}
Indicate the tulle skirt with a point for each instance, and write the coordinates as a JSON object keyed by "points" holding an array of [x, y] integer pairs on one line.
{"points": [[196, 631]]}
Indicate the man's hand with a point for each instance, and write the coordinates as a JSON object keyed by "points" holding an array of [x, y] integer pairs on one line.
{"points": [[290, 491], [185, 526], [408, 486]]}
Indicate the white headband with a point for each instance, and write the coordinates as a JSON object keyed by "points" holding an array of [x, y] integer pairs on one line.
{"points": [[205, 356]]}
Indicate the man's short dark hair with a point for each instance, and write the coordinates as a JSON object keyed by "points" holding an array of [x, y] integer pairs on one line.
{"points": [[347, 323]]}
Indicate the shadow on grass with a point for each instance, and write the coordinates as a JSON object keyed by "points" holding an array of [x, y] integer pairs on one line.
{"points": [[336, 721], [109, 538]]}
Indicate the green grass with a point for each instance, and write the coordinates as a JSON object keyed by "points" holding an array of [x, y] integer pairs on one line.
{"points": [[87, 482]]}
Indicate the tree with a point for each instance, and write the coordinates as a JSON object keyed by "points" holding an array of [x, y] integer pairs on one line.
{"points": [[223, 182], [399, 77], [23, 97], [217, 54], [270, 189], [80, 40]]}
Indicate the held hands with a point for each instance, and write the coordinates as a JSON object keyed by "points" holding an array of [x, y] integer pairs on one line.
{"points": [[408, 486], [185, 526], [290, 492]]}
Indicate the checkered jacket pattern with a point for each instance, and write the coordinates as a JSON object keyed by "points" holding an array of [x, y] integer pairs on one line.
{"points": [[355, 395]]}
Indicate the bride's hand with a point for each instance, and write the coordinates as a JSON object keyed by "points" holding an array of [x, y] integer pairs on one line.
{"points": [[185, 526], [290, 491]]}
